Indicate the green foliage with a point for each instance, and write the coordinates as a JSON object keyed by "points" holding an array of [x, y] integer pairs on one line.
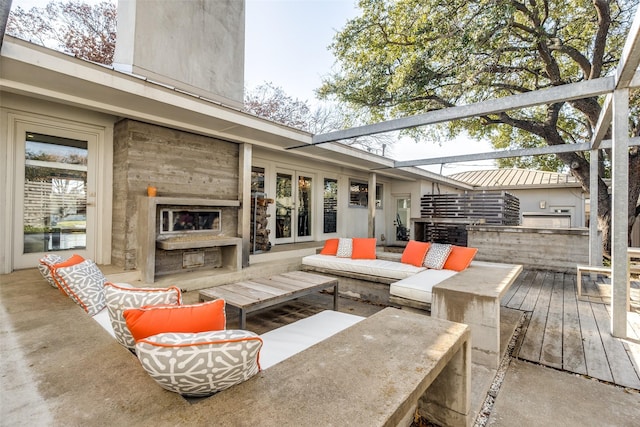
{"points": [[408, 57]]}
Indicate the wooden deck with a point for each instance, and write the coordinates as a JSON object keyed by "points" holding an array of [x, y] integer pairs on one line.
{"points": [[573, 335]]}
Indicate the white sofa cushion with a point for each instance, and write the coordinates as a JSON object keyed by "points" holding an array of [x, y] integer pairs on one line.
{"points": [[418, 287], [373, 267], [282, 343]]}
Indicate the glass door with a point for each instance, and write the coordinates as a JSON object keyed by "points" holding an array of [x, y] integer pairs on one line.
{"points": [[55, 200], [403, 218], [304, 208], [294, 207]]}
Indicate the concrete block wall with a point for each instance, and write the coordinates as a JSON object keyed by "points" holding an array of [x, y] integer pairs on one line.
{"points": [[557, 249]]}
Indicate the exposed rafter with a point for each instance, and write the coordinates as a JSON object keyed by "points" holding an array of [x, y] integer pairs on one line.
{"points": [[538, 151], [566, 92]]}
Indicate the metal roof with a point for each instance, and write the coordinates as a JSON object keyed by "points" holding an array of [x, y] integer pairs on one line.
{"points": [[515, 178]]}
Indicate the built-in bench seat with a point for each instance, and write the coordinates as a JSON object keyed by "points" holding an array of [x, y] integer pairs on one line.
{"points": [[471, 296], [374, 372], [382, 268]]}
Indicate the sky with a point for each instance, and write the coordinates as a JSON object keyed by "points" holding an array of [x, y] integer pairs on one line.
{"points": [[287, 44]]}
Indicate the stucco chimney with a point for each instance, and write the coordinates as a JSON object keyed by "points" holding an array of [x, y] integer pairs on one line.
{"points": [[194, 45]]}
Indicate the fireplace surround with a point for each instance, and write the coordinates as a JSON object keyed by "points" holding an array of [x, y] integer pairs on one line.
{"points": [[177, 234]]}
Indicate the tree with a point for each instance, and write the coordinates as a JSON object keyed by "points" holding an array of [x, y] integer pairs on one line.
{"points": [[271, 102], [83, 30], [411, 56]]}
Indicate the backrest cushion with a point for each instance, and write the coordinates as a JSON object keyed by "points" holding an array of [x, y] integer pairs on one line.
{"points": [[459, 258], [330, 247], [45, 266], [119, 299], [437, 255], [84, 283], [414, 253], [345, 247], [151, 320], [200, 364], [364, 248]]}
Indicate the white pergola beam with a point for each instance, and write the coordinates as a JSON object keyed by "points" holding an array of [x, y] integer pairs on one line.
{"points": [[521, 152], [595, 241], [604, 122], [630, 58], [619, 215], [562, 93]]}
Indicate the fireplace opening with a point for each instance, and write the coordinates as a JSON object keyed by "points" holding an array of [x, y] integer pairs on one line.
{"points": [[175, 221]]}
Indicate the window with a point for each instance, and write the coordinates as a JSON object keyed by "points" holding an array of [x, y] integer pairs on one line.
{"points": [[257, 179], [359, 194], [330, 218]]}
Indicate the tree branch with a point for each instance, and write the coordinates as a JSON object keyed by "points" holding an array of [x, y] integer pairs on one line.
{"points": [[600, 40]]}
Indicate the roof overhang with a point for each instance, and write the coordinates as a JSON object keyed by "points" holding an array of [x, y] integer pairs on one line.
{"points": [[38, 72]]}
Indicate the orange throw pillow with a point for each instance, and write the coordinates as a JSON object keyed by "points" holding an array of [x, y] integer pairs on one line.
{"points": [[156, 319], [364, 248], [330, 247], [415, 252], [459, 258]]}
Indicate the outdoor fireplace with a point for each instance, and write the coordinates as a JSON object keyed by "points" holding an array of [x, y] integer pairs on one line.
{"points": [[178, 234], [175, 221]]}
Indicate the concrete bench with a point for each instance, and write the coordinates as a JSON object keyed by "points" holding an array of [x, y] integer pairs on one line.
{"points": [[471, 296], [377, 372], [82, 376]]}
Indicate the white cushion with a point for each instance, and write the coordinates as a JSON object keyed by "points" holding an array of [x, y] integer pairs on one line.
{"points": [[102, 317], [282, 343], [419, 286], [374, 267]]}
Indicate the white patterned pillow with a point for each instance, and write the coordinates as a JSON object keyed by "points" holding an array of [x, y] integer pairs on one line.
{"points": [[119, 299], [437, 255], [345, 248], [84, 283], [200, 364], [46, 265]]}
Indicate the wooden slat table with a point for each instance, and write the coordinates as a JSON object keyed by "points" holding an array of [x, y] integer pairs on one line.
{"points": [[252, 295]]}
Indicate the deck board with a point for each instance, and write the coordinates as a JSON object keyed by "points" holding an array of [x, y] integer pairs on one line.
{"points": [[552, 341], [572, 347], [621, 367], [539, 300], [574, 335]]}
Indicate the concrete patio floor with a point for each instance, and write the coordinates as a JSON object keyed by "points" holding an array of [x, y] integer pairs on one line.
{"points": [[40, 388]]}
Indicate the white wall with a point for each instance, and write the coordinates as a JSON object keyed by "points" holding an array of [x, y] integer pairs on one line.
{"points": [[545, 200]]}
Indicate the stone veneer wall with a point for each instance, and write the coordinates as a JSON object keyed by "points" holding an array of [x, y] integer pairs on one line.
{"points": [[179, 164], [555, 249]]}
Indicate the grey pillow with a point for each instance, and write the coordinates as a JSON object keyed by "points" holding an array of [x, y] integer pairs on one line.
{"points": [[200, 364], [345, 248], [437, 255]]}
